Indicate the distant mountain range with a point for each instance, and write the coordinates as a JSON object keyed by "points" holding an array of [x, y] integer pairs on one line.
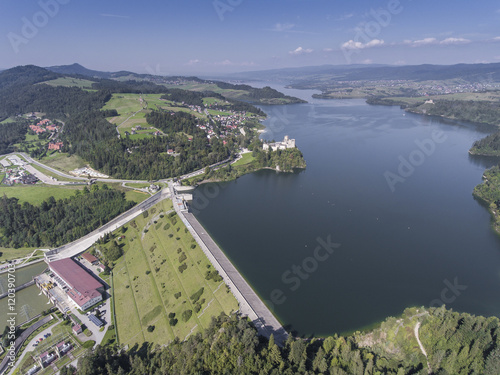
{"points": [[425, 72]]}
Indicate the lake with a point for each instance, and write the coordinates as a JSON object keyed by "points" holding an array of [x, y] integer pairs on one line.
{"points": [[383, 218]]}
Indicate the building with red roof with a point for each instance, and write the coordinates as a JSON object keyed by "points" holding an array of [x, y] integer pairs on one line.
{"points": [[84, 290], [55, 146]]}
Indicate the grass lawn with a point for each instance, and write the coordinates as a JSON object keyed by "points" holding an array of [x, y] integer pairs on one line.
{"points": [[124, 103], [9, 253], [215, 113], [70, 82], [36, 194], [137, 185], [63, 161], [136, 196], [7, 120], [245, 159], [147, 278]]}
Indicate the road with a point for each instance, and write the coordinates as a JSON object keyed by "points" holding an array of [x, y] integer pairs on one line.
{"points": [[80, 245], [20, 340]]}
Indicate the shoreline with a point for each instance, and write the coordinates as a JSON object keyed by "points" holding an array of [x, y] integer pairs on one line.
{"points": [[250, 303]]}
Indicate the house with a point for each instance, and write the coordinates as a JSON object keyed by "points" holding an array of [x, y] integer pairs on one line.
{"points": [[77, 328], [37, 129], [90, 258], [51, 128], [43, 122], [55, 146]]}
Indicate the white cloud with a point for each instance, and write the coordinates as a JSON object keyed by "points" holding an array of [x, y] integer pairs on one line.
{"points": [[327, 49], [351, 44], [345, 17], [374, 43], [423, 42], [193, 62], [300, 51], [496, 39], [430, 41], [281, 27], [400, 62], [367, 61], [454, 41]]}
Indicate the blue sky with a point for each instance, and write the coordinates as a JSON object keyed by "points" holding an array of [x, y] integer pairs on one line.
{"points": [[213, 36]]}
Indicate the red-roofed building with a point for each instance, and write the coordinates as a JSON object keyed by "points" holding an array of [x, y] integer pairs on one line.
{"points": [[37, 129], [43, 122], [80, 286], [77, 328], [51, 128], [90, 258], [55, 146]]}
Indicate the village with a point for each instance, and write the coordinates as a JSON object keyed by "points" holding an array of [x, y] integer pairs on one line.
{"points": [[41, 127]]}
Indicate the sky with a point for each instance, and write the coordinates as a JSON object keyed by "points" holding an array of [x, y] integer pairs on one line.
{"points": [[203, 37]]}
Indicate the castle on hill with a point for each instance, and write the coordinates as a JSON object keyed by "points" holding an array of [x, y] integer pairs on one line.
{"points": [[283, 145]]}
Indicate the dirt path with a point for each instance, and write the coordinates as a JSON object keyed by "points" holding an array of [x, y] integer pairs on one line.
{"points": [[417, 327]]}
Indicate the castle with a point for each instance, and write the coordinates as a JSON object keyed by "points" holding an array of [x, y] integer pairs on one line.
{"points": [[283, 145]]}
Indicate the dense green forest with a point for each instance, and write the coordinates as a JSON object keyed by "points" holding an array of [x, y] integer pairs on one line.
{"points": [[265, 95], [473, 111], [10, 134], [287, 160], [455, 343], [489, 193], [56, 222], [91, 136], [489, 145], [484, 112], [196, 98]]}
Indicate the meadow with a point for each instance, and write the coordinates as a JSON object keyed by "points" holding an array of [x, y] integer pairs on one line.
{"points": [[160, 281]]}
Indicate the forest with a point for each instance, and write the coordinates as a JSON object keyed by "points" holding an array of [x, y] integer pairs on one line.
{"points": [[93, 138], [56, 222], [196, 98], [258, 95], [456, 343], [489, 145], [11, 133]]}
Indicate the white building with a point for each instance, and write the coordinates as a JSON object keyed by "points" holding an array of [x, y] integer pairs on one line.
{"points": [[283, 145]]}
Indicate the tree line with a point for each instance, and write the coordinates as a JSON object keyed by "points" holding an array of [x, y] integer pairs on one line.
{"points": [[456, 343], [56, 222]]}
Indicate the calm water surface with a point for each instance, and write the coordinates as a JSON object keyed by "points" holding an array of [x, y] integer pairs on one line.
{"points": [[398, 247]]}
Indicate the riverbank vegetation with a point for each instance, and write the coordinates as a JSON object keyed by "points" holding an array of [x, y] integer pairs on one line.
{"points": [[281, 160], [455, 343], [488, 146], [489, 193]]}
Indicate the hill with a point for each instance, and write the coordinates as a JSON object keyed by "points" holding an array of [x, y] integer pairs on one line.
{"points": [[330, 73]]}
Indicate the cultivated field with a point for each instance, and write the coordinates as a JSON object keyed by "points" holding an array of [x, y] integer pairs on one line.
{"points": [[159, 274]]}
